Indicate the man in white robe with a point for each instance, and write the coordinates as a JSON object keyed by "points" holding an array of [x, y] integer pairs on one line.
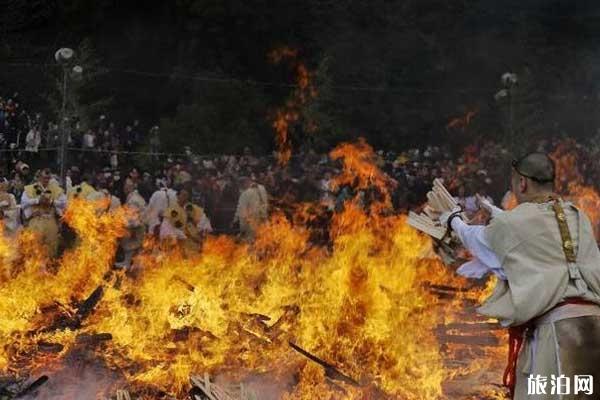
{"points": [[9, 210], [252, 208], [548, 266], [159, 202], [134, 240]]}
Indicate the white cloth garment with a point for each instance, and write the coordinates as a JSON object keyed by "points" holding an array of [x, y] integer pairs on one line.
{"points": [[89, 140], [168, 231], [487, 204], [204, 224], [484, 259], [33, 140], [158, 203], [27, 203], [10, 211]]}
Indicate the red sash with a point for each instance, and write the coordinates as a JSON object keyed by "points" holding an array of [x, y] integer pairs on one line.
{"points": [[516, 337]]}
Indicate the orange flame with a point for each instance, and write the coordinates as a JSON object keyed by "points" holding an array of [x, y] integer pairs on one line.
{"points": [[361, 302], [462, 122], [570, 182], [287, 116], [360, 171]]}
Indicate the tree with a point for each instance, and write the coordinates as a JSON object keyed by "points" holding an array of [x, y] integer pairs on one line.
{"points": [[225, 120]]}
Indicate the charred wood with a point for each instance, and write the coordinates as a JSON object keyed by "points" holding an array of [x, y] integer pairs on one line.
{"points": [[92, 338], [330, 371], [32, 387]]}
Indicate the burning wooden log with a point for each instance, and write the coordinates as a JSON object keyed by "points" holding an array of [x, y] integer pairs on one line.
{"points": [[203, 388], [92, 338], [188, 286], [49, 347], [32, 387], [73, 321], [330, 371], [83, 311], [88, 305]]}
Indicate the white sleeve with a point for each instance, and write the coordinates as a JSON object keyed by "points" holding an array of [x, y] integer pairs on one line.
{"points": [[60, 203], [485, 260], [150, 216], [488, 204], [12, 215], [204, 225], [138, 210]]}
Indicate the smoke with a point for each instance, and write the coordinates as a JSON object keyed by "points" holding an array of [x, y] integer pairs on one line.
{"points": [[81, 377], [265, 386]]}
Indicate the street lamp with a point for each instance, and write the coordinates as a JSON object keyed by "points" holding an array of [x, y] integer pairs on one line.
{"points": [[509, 81], [65, 57]]}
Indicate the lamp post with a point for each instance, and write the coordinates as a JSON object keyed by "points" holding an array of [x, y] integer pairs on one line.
{"points": [[509, 81], [65, 57]]}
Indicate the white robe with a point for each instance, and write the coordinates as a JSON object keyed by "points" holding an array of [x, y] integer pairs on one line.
{"points": [[159, 202], [252, 210], [524, 248]]}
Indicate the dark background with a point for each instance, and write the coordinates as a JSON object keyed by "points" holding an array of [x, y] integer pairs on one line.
{"points": [[395, 72]]}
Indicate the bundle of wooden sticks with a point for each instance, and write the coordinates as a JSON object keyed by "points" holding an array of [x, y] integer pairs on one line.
{"points": [[439, 201], [204, 388]]}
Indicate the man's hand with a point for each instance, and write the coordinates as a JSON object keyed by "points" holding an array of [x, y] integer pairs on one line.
{"points": [[45, 200], [489, 207], [445, 216]]}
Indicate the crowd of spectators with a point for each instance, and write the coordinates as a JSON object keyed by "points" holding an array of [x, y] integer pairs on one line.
{"points": [[100, 153]]}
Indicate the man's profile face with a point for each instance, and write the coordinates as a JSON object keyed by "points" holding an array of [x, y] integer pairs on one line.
{"points": [[183, 196]]}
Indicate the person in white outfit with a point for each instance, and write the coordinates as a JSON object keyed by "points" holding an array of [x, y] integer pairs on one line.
{"points": [[159, 202]]}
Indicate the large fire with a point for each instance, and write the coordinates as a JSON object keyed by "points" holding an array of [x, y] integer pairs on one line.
{"points": [[286, 117], [570, 182], [376, 304]]}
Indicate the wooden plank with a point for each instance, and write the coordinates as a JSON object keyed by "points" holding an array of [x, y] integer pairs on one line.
{"points": [[330, 371], [471, 340]]}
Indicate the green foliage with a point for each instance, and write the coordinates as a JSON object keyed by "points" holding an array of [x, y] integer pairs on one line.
{"points": [[318, 112], [224, 120], [522, 112], [395, 72]]}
